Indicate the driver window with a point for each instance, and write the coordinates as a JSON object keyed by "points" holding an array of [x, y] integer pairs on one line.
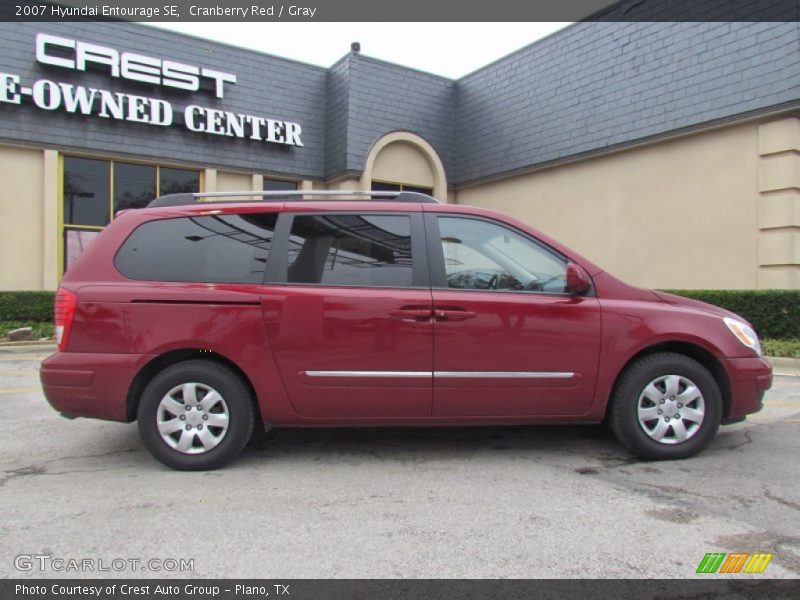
{"points": [[481, 255]]}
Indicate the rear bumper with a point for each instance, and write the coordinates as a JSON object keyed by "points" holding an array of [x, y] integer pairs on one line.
{"points": [[79, 384], [749, 379]]}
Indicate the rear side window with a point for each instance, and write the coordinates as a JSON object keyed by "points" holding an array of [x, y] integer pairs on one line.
{"points": [[207, 249], [351, 250]]}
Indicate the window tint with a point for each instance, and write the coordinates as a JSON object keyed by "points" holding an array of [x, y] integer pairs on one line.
{"points": [[355, 250], [134, 185], [86, 191], [487, 256], [178, 181], [208, 249], [275, 185]]}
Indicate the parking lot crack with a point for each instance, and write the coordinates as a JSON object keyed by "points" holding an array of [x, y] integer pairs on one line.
{"points": [[779, 500], [22, 472]]}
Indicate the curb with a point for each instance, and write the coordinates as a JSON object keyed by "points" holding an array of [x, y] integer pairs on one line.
{"points": [[785, 366], [29, 343]]}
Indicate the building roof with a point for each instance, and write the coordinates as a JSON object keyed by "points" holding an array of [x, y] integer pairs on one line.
{"points": [[583, 90]]}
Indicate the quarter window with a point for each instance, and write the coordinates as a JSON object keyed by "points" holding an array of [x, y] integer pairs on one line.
{"points": [[208, 249], [486, 256], [351, 250]]}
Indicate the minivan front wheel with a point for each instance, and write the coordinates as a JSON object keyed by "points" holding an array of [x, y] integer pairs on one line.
{"points": [[666, 406], [195, 415]]}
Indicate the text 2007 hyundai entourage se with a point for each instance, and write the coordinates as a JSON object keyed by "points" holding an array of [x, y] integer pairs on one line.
{"points": [[202, 320]]}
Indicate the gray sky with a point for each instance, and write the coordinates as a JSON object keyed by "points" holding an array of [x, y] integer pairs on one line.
{"points": [[449, 49]]}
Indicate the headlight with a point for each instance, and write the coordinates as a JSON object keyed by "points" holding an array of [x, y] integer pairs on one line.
{"points": [[744, 333]]}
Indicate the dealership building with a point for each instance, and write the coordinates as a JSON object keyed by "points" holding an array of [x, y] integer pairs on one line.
{"points": [[669, 153]]}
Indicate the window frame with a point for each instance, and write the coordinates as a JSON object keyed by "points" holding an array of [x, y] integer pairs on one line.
{"points": [[191, 282], [61, 249], [277, 272], [438, 271]]}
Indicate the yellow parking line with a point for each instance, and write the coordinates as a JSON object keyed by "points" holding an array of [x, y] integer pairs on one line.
{"points": [[22, 390]]}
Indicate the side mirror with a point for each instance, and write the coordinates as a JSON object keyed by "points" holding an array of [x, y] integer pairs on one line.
{"points": [[578, 280]]}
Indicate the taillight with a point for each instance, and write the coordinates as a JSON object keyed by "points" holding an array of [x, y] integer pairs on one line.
{"points": [[64, 311]]}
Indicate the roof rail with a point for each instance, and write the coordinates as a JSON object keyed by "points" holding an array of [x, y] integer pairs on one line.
{"points": [[286, 195]]}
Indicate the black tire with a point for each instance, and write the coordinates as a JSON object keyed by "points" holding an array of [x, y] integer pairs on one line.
{"points": [[624, 416], [237, 400]]}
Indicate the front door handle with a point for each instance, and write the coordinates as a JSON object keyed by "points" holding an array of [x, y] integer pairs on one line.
{"points": [[453, 314], [414, 314]]}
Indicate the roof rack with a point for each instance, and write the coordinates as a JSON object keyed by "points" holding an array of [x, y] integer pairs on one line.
{"points": [[291, 195]]}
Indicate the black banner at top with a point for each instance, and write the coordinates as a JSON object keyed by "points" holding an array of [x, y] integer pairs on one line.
{"points": [[405, 10]]}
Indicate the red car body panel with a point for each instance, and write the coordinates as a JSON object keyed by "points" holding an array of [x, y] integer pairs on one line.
{"points": [[284, 338]]}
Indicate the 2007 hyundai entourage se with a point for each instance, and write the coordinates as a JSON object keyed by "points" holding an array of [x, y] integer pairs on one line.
{"points": [[203, 316]]}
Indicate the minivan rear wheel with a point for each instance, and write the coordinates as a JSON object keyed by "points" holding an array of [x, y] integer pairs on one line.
{"points": [[666, 406], [195, 415]]}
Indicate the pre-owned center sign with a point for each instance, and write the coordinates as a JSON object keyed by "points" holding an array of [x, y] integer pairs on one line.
{"points": [[78, 99]]}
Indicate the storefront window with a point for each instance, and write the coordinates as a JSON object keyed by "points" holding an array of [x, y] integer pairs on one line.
{"points": [[276, 185], [178, 181], [75, 242], [86, 191], [386, 186], [90, 185], [134, 185]]}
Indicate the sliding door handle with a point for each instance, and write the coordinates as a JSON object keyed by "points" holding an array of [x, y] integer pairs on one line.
{"points": [[414, 314]]}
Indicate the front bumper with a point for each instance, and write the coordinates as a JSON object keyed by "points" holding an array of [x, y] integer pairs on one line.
{"points": [[749, 379], [79, 384]]}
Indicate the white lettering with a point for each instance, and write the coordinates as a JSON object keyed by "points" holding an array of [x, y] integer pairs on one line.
{"points": [[301, 11], [160, 112], [136, 107], [219, 79], [51, 50], [190, 118], [141, 68], [293, 131], [43, 40], [92, 53], [77, 98], [46, 95], [8, 88], [256, 123], [178, 75], [111, 105], [214, 121], [234, 125], [275, 131]]}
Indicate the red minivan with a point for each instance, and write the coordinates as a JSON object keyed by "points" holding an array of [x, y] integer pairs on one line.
{"points": [[205, 316]]}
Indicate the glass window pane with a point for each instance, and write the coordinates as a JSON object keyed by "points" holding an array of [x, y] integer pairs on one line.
{"points": [[179, 181], [209, 249], [488, 256], [278, 186], [134, 185], [365, 250], [75, 242], [380, 186], [86, 191], [415, 188]]}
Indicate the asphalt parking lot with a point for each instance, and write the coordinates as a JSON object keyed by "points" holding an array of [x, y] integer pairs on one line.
{"points": [[385, 503]]}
